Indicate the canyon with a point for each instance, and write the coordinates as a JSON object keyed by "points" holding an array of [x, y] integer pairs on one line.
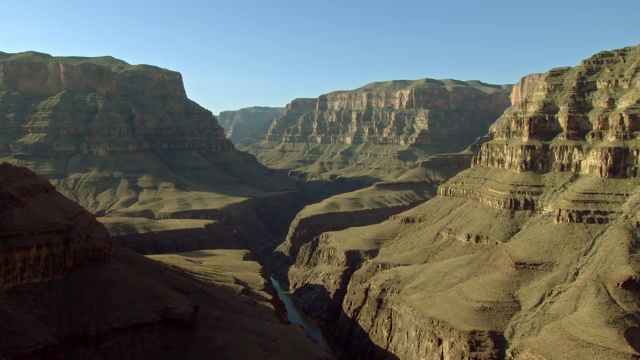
{"points": [[528, 254], [68, 291], [409, 219], [126, 143]]}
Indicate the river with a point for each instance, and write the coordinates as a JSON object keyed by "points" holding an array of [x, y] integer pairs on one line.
{"points": [[297, 317]]}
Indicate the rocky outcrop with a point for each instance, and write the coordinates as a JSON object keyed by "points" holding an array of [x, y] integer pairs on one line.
{"points": [[43, 235], [244, 123], [531, 246], [570, 120]]}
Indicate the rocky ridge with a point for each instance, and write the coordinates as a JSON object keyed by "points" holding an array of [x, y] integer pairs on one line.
{"points": [[527, 254]]}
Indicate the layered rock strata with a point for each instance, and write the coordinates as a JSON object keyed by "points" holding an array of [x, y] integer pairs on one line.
{"points": [[528, 254], [379, 130], [44, 235], [98, 106], [124, 141]]}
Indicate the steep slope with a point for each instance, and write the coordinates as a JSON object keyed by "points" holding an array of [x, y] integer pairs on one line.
{"points": [[125, 141], [242, 124], [529, 254], [67, 292], [367, 206], [380, 130]]}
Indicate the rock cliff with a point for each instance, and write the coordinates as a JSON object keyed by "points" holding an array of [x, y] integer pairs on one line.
{"points": [[44, 235], [527, 254], [124, 141], [60, 106], [379, 130], [67, 292], [244, 123]]}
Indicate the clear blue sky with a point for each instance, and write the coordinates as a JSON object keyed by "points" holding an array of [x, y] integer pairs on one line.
{"points": [[240, 53]]}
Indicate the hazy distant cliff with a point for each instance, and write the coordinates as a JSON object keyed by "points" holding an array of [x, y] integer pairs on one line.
{"points": [[243, 123]]}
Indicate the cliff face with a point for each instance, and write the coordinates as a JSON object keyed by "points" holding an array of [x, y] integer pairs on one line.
{"points": [[67, 292], [531, 246], [244, 123], [124, 141], [378, 130], [396, 112], [44, 235], [98, 106]]}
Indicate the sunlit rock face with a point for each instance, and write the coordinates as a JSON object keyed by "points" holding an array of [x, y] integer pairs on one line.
{"points": [[61, 106], [529, 254], [381, 129], [397, 112]]}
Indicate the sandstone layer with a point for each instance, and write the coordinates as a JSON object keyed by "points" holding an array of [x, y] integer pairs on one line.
{"points": [[380, 130], [67, 292], [529, 254], [246, 123], [124, 141]]}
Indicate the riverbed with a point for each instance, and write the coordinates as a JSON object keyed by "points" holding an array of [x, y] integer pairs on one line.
{"points": [[297, 317]]}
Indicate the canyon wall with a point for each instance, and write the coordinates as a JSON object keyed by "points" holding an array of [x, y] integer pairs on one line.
{"points": [[244, 123], [396, 112], [66, 291], [124, 141], [44, 235], [527, 254], [98, 106], [380, 130]]}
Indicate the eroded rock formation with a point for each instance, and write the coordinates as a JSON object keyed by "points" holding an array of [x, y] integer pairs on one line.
{"points": [[528, 254], [124, 141], [379, 130]]}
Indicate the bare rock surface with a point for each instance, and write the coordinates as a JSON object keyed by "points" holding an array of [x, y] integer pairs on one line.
{"points": [[529, 254]]}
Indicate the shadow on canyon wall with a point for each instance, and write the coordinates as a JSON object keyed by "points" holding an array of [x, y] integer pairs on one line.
{"points": [[357, 344]]}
